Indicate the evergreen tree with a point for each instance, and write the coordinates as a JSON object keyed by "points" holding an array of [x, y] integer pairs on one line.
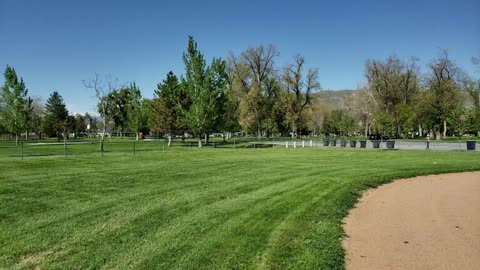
{"points": [[166, 106], [56, 115]]}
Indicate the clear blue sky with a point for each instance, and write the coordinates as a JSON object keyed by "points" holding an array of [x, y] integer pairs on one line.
{"points": [[55, 44]]}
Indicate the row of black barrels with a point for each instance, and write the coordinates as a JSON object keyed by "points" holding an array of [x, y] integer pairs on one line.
{"points": [[353, 144]]}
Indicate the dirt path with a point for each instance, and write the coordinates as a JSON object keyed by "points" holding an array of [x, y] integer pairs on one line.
{"points": [[429, 222]]}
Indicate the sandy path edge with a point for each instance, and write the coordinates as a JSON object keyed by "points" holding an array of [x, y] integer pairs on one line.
{"points": [[426, 222]]}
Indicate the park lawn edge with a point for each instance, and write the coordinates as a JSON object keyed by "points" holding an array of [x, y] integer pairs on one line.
{"points": [[348, 201]]}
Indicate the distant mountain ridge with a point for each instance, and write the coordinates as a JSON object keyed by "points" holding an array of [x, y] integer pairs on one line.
{"points": [[333, 98]]}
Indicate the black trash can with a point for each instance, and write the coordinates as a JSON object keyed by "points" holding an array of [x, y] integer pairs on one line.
{"points": [[343, 143], [326, 142], [363, 144], [353, 144], [471, 145], [390, 144], [376, 144], [333, 143]]}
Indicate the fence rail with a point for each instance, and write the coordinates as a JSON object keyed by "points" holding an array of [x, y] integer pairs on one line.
{"points": [[131, 147]]}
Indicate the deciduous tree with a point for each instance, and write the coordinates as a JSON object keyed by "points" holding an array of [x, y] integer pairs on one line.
{"points": [[117, 107], [102, 89], [204, 86], [393, 84], [166, 106], [13, 100], [300, 86], [136, 116], [443, 86], [37, 117], [255, 82]]}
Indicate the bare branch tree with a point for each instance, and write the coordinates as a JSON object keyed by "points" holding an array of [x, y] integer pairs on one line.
{"points": [[443, 84], [393, 85], [260, 61], [362, 104], [476, 62], [300, 86], [102, 89]]}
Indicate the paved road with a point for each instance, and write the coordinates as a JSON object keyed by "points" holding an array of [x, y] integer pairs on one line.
{"points": [[410, 145]]}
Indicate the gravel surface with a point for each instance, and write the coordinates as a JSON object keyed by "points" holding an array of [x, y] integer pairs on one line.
{"points": [[428, 222]]}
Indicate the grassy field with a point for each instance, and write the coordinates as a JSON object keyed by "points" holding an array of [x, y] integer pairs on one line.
{"points": [[195, 209]]}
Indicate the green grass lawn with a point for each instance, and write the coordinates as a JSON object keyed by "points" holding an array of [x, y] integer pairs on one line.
{"points": [[194, 209]]}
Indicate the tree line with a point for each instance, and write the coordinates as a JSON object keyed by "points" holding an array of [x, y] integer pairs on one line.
{"points": [[249, 94], [399, 101]]}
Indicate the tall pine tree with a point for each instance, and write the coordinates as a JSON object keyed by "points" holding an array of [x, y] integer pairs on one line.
{"points": [[56, 115], [166, 106]]}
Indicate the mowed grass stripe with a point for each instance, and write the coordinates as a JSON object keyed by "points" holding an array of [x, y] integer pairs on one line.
{"points": [[247, 209], [158, 217], [72, 219], [203, 209], [203, 218]]}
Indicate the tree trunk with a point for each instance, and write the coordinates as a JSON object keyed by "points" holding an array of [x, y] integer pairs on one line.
{"points": [[102, 137], [16, 139], [101, 145], [444, 129], [169, 140], [199, 141], [420, 130], [259, 132]]}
